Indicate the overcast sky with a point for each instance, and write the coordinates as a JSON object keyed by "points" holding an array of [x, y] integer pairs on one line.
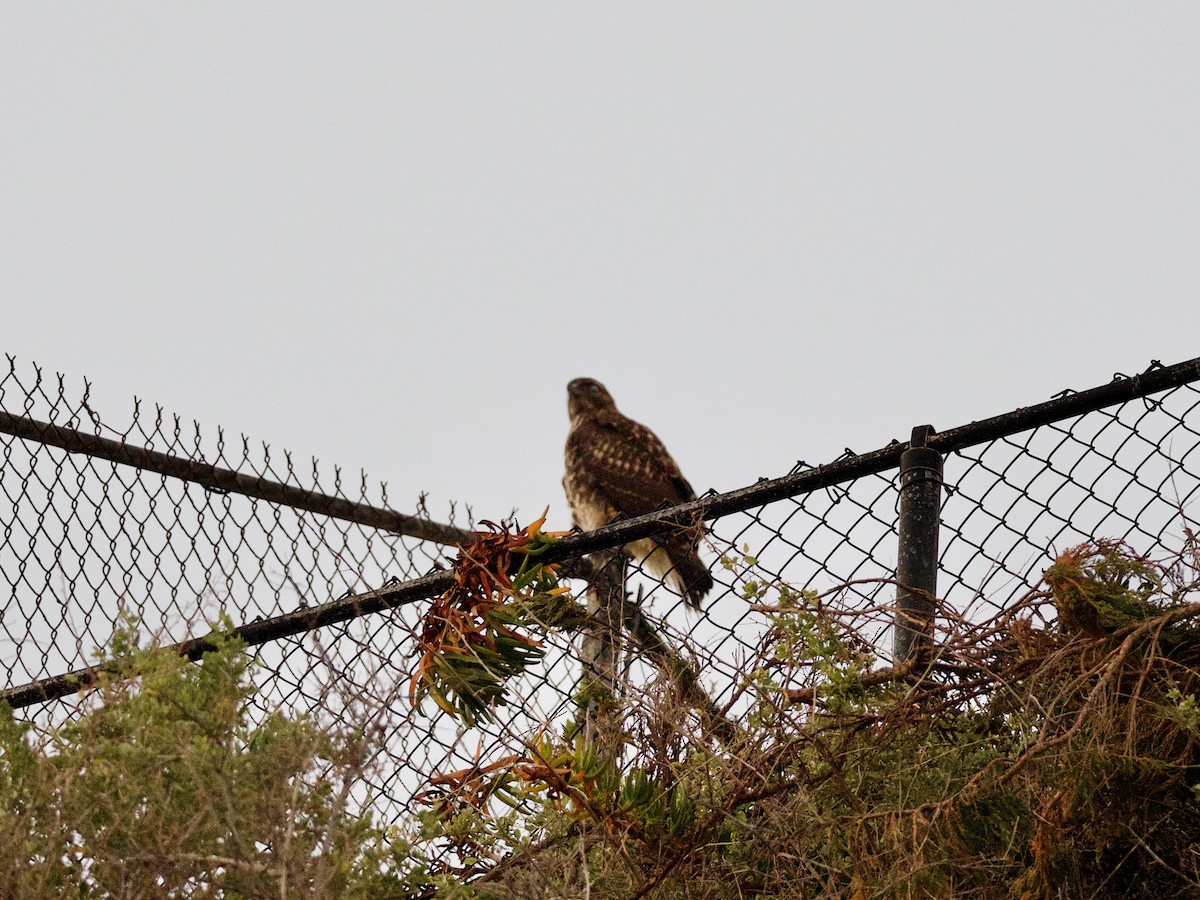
{"points": [[387, 235]]}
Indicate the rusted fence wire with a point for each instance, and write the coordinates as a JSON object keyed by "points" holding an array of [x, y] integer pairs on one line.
{"points": [[152, 518]]}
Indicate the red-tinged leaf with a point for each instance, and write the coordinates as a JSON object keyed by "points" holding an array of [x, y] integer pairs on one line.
{"points": [[534, 527], [412, 688]]}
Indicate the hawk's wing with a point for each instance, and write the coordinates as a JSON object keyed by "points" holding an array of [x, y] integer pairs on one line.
{"points": [[616, 466], [627, 464]]}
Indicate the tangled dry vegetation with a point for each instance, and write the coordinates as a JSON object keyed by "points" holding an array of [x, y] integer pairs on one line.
{"points": [[1051, 751]]}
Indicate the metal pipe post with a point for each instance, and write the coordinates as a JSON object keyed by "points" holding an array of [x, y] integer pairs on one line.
{"points": [[917, 559], [601, 654]]}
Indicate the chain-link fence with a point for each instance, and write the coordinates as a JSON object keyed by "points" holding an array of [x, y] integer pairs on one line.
{"points": [[155, 519]]}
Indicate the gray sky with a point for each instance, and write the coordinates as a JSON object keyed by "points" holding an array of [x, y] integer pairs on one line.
{"points": [[387, 235]]}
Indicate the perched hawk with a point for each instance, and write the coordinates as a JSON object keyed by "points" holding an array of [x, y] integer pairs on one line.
{"points": [[616, 466]]}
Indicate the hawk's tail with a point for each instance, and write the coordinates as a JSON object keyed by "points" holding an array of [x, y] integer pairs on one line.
{"points": [[689, 573]]}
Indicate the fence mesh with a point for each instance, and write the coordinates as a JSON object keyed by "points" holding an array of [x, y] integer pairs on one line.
{"points": [[86, 540]]}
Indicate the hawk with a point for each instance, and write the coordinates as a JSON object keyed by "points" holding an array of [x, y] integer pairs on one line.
{"points": [[617, 467]]}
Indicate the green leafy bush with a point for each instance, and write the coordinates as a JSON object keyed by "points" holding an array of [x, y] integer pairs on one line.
{"points": [[164, 787], [1033, 761]]}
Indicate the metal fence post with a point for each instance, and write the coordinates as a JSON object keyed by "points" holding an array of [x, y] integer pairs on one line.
{"points": [[917, 558], [601, 654]]}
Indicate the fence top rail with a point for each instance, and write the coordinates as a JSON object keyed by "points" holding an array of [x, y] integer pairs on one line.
{"points": [[1156, 378], [1122, 389], [229, 481], [616, 534]]}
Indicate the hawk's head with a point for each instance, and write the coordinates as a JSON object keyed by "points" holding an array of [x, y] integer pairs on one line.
{"points": [[586, 395]]}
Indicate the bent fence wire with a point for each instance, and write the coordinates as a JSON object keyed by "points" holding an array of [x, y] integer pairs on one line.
{"points": [[207, 525]]}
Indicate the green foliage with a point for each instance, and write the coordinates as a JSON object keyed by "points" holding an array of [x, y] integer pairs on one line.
{"points": [[1053, 762], [165, 788], [1101, 588], [1046, 762], [477, 635]]}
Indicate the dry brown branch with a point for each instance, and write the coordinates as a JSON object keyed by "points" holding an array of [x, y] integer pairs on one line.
{"points": [[871, 679]]}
